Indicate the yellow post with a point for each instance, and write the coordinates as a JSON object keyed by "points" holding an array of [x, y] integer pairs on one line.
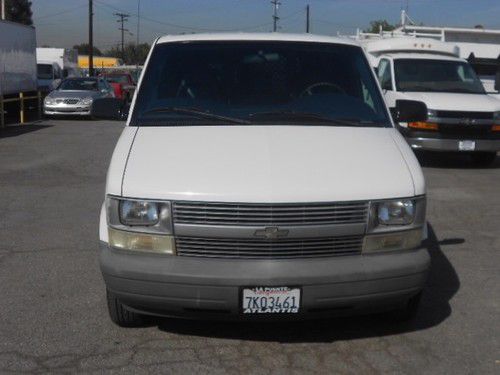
{"points": [[21, 111], [2, 114], [39, 97]]}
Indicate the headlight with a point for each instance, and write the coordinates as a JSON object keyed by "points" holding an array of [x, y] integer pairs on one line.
{"points": [[140, 225], [86, 101], [48, 100], [395, 224], [431, 113], [139, 213], [399, 212]]}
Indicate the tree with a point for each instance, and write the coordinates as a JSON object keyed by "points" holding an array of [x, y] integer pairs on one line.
{"points": [[132, 54], [84, 49], [375, 26], [19, 11]]}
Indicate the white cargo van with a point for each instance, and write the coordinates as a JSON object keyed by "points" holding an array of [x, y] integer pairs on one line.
{"points": [[462, 117], [260, 175]]}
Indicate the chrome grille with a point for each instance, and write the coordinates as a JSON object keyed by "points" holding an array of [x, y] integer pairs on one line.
{"points": [[269, 249], [71, 101], [204, 213]]}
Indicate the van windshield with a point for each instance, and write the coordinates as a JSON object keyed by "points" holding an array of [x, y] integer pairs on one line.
{"points": [[265, 83], [44, 71], [425, 75]]}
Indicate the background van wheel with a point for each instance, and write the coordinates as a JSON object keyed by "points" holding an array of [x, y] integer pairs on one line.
{"points": [[483, 158], [120, 315]]}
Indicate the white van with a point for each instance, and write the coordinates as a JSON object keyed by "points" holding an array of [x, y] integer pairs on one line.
{"points": [[462, 117], [260, 175]]}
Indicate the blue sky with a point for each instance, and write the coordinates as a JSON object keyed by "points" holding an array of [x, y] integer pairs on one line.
{"points": [[63, 23]]}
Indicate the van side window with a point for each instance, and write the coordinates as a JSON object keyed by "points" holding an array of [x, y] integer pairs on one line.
{"points": [[384, 74]]}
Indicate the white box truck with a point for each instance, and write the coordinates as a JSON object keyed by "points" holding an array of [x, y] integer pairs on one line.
{"points": [[462, 117], [53, 64], [17, 58]]}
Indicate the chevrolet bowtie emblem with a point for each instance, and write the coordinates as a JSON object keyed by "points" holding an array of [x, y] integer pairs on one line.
{"points": [[271, 233]]}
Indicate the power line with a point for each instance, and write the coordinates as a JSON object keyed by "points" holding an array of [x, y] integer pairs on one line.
{"points": [[190, 28], [61, 12]]}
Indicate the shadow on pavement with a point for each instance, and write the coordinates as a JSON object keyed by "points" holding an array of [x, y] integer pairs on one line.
{"points": [[451, 160], [442, 285], [15, 130]]}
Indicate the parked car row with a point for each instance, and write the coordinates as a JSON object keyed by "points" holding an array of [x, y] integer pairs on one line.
{"points": [[75, 95]]}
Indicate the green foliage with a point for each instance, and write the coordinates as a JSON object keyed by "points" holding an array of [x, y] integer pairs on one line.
{"points": [[132, 54], [84, 49], [375, 26], [19, 11]]}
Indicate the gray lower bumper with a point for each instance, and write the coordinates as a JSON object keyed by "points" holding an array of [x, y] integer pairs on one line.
{"points": [[210, 288], [437, 144]]}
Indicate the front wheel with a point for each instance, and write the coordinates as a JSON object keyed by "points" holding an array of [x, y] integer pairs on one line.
{"points": [[483, 158], [120, 315]]}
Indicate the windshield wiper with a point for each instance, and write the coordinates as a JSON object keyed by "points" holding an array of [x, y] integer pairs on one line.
{"points": [[314, 116], [197, 113]]}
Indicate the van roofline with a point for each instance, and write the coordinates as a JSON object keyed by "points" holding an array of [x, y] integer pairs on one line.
{"points": [[285, 37]]}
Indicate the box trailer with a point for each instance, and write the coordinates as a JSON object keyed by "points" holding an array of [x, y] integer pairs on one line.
{"points": [[17, 58]]}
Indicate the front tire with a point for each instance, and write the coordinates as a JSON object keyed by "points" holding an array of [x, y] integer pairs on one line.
{"points": [[119, 313], [483, 159]]}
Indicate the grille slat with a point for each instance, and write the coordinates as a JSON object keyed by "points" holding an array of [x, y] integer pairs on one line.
{"points": [[262, 214], [269, 249], [465, 114]]}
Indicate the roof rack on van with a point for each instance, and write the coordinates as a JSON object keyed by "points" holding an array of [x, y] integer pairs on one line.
{"points": [[401, 44]]}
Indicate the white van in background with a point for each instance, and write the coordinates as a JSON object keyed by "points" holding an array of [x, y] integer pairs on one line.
{"points": [[54, 64], [461, 115]]}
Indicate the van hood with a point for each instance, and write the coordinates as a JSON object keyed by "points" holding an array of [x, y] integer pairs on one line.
{"points": [[455, 102], [267, 164]]}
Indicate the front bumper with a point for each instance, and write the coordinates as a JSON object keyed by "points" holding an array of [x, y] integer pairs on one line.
{"points": [[439, 144], [66, 109], [210, 288]]}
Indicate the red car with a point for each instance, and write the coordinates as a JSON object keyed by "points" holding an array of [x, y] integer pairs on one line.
{"points": [[123, 84]]}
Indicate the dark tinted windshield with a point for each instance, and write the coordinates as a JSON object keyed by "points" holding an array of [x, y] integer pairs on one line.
{"points": [[78, 84], [259, 82], [436, 76], [44, 71]]}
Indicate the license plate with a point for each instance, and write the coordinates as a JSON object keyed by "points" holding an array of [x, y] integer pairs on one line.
{"points": [[466, 145], [271, 300]]}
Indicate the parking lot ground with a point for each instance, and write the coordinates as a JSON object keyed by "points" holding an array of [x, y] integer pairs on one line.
{"points": [[53, 315]]}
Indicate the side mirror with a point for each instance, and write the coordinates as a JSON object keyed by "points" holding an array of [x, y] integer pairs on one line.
{"points": [[109, 109], [410, 111]]}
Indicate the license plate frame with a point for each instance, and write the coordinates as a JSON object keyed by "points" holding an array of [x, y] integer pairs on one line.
{"points": [[271, 292], [466, 145]]}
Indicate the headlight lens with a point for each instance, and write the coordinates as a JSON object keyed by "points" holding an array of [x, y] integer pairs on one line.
{"points": [[48, 100], [86, 101], [139, 215], [397, 212]]}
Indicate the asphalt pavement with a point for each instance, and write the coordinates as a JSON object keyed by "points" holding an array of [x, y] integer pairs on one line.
{"points": [[53, 315]]}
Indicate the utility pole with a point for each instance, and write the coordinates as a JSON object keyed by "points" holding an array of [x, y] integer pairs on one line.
{"points": [[91, 39], [276, 5], [308, 15], [123, 18]]}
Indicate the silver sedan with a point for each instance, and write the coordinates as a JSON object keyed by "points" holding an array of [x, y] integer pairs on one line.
{"points": [[74, 96]]}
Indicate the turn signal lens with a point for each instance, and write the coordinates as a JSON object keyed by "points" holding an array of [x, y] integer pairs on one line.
{"points": [[423, 125], [495, 128], [393, 241], [143, 242]]}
